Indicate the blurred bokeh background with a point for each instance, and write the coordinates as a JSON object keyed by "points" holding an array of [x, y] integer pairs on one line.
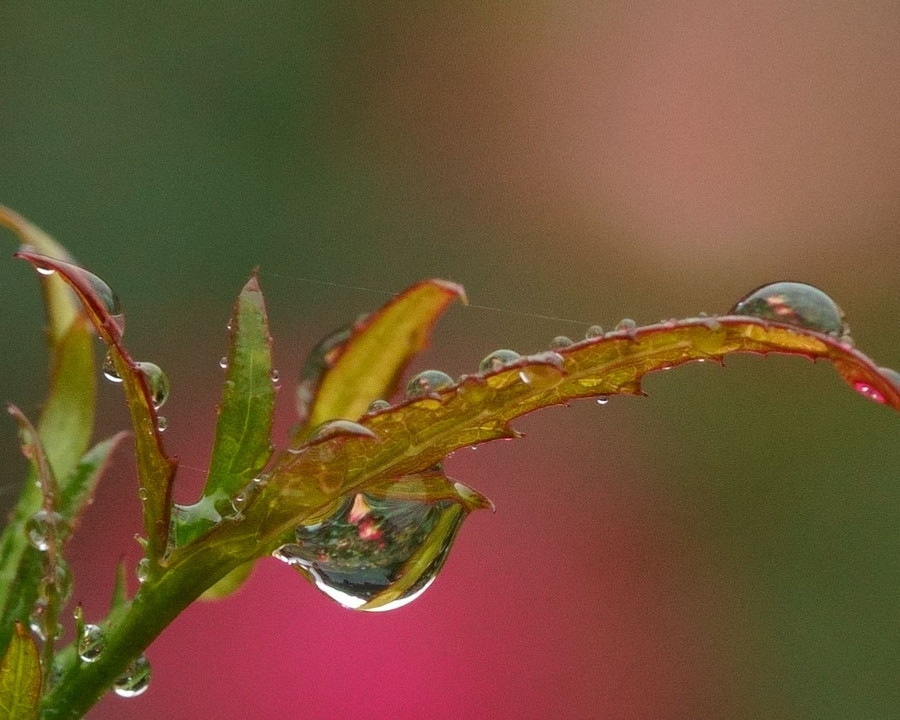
{"points": [[727, 547]]}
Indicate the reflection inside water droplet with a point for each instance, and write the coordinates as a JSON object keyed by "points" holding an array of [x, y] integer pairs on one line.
{"points": [[135, 680], [797, 304], [42, 527], [109, 369], [373, 542], [157, 381], [92, 643]]}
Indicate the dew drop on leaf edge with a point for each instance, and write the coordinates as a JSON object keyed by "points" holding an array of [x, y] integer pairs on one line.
{"points": [[109, 369], [794, 303], [336, 428], [135, 680], [497, 360], [157, 381], [428, 381]]}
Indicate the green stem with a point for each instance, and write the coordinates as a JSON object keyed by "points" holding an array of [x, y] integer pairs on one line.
{"points": [[131, 629]]}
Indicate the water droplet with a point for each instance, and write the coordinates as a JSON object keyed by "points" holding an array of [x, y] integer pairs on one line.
{"points": [[560, 342], [157, 381], [223, 362], [239, 501], [143, 494], [498, 360], [58, 583], [866, 390], [335, 428], [109, 369], [92, 643], [228, 326], [41, 527], [161, 423], [378, 406], [594, 331], [37, 618], [523, 376], [135, 679], [796, 304], [602, 399], [626, 325], [427, 382], [142, 571], [274, 376], [372, 542], [44, 270]]}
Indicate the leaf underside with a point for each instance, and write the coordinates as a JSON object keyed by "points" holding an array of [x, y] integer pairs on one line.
{"points": [[20, 677]]}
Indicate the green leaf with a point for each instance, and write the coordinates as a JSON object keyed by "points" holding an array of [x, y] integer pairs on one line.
{"points": [[67, 420], [20, 678], [155, 469], [355, 366], [62, 307], [242, 443], [229, 584], [78, 489], [421, 431]]}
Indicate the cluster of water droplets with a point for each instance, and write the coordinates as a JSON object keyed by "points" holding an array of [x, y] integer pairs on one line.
{"points": [[45, 531]]}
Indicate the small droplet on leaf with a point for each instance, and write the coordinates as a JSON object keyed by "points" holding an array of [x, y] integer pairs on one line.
{"points": [[37, 618], [497, 360], [135, 680], [42, 527], [109, 369], [626, 325], [378, 406], [58, 583], [602, 399], [161, 423], [796, 304], [274, 376], [337, 428], [427, 382], [44, 270], [560, 342], [91, 643], [143, 570], [594, 331], [223, 362], [157, 381]]}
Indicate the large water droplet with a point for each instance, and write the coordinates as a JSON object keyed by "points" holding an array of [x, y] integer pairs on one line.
{"points": [[157, 381], [92, 643], [42, 527], [497, 360], [371, 544], [135, 679], [427, 382], [336, 428], [794, 304]]}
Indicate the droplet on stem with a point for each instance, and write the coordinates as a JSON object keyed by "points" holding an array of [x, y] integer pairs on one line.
{"points": [[135, 680], [157, 381], [91, 643], [109, 369], [41, 527]]}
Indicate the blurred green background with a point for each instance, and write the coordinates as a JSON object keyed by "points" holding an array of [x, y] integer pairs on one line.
{"points": [[726, 548]]}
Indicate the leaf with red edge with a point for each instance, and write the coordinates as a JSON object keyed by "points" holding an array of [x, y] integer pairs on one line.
{"points": [[421, 431], [356, 365], [155, 469]]}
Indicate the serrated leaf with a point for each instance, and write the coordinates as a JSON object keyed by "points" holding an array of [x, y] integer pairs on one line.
{"points": [[353, 367], [155, 469], [242, 444], [421, 431], [20, 678]]}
